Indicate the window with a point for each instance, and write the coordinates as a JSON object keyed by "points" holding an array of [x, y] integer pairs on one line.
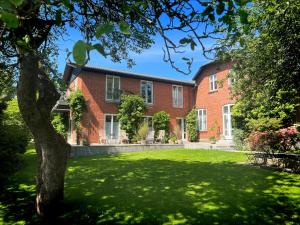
{"points": [[111, 126], [147, 91], [177, 96], [213, 82], [112, 88], [201, 120], [149, 121]]}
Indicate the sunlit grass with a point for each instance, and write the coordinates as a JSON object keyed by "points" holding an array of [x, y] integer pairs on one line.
{"points": [[167, 187]]}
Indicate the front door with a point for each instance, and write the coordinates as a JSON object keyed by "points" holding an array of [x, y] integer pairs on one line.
{"points": [[111, 128], [181, 123], [227, 122]]}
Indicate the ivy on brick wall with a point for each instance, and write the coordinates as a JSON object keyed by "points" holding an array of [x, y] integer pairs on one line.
{"points": [[78, 106], [191, 124]]}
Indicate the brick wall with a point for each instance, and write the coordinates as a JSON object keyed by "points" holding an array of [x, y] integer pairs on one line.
{"points": [[213, 101], [92, 86]]}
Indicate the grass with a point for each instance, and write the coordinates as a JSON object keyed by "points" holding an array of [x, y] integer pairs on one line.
{"points": [[162, 187]]}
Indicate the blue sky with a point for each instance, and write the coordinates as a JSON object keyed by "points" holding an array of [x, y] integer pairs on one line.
{"points": [[148, 62]]}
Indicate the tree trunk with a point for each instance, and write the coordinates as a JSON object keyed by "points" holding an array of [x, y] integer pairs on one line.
{"points": [[36, 98]]}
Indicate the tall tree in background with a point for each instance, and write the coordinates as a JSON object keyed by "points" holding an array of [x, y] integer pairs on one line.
{"points": [[112, 27], [267, 55]]}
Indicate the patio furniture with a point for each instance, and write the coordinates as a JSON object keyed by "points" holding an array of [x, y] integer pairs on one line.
{"points": [[123, 137], [161, 136], [150, 137]]}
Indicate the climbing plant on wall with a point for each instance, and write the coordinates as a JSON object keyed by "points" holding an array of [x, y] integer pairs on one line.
{"points": [[191, 124]]}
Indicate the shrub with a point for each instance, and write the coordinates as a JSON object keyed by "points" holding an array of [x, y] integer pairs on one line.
{"points": [[143, 131], [191, 124], [60, 123], [239, 137], [161, 121], [13, 141], [78, 106], [130, 112], [284, 140], [264, 124]]}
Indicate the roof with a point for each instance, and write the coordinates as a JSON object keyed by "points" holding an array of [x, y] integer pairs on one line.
{"points": [[204, 67], [72, 68]]}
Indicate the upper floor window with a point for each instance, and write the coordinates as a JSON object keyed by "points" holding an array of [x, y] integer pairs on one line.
{"points": [[112, 88], [147, 91], [201, 120], [177, 93], [213, 86]]}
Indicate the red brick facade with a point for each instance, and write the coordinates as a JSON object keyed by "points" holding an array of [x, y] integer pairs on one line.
{"points": [[92, 83]]}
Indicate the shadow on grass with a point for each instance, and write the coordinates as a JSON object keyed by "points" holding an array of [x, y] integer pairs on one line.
{"points": [[110, 190]]}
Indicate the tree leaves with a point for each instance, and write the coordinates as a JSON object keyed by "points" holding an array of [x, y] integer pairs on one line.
{"points": [[105, 28], [79, 52], [10, 19], [100, 49], [124, 27], [243, 16]]}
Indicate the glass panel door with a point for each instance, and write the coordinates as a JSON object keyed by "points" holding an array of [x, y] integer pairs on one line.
{"points": [[227, 122]]}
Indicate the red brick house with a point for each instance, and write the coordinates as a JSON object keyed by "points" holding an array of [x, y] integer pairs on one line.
{"points": [[99, 87]]}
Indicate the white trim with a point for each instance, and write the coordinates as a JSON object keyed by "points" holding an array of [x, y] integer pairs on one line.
{"points": [[213, 80], [111, 127], [113, 84], [152, 94], [229, 137], [177, 106], [198, 118]]}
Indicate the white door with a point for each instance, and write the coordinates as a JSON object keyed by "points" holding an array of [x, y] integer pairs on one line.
{"points": [[227, 122]]}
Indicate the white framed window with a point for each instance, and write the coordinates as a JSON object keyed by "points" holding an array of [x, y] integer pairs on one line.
{"points": [[213, 85], [177, 94], [112, 91], [201, 119], [147, 91], [149, 121], [112, 127]]}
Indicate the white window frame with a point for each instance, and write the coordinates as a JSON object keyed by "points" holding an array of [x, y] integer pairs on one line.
{"points": [[113, 84], [146, 97], [111, 126], [202, 122], [213, 85], [176, 95]]}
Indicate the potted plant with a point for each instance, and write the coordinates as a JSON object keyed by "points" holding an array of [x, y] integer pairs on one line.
{"points": [[142, 133], [213, 140], [173, 139]]}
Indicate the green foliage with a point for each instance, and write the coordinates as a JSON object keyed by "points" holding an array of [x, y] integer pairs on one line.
{"points": [[60, 123], [191, 124], [173, 138], [161, 121], [130, 112], [239, 137], [266, 70], [264, 124], [78, 106], [143, 131], [14, 138]]}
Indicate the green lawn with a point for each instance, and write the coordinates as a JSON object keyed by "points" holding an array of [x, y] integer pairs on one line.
{"points": [[163, 187]]}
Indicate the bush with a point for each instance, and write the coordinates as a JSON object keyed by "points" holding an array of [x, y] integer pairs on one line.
{"points": [[130, 113], [239, 137], [281, 141], [191, 124], [60, 124], [13, 141], [161, 121], [78, 106], [264, 124]]}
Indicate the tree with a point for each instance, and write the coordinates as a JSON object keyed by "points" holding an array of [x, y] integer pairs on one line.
{"points": [[267, 64], [28, 30], [130, 113]]}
